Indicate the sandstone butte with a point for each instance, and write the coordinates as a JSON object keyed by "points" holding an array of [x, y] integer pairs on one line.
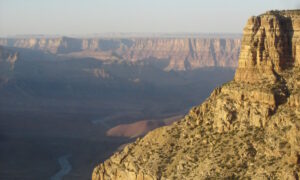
{"points": [[247, 129]]}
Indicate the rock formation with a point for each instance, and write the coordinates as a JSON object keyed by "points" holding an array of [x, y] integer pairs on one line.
{"points": [[270, 45], [179, 53], [248, 128], [8, 59]]}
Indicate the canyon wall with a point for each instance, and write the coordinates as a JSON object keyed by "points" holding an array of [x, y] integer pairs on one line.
{"points": [[247, 129], [178, 53]]}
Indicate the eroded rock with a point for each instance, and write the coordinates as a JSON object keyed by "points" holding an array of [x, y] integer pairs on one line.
{"points": [[248, 128]]}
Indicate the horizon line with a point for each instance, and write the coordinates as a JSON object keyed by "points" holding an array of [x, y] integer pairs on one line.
{"points": [[125, 34]]}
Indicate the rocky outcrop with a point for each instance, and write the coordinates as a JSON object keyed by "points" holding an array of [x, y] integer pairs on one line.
{"points": [[7, 56], [8, 59], [248, 128], [178, 53], [270, 44]]}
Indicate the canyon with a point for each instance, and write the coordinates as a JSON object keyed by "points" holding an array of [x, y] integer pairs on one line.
{"points": [[248, 128], [178, 54], [89, 97]]}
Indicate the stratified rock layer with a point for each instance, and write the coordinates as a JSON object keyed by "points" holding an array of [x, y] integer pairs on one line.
{"points": [[271, 44], [177, 53], [248, 128]]}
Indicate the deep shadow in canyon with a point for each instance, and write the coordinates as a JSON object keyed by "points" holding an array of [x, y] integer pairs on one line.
{"points": [[53, 105]]}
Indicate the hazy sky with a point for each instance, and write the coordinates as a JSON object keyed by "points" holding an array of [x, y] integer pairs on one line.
{"points": [[101, 16]]}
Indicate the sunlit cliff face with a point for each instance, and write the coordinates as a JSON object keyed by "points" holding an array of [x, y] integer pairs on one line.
{"points": [[247, 128]]}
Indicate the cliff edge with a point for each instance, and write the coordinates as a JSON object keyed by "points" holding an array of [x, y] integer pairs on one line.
{"points": [[248, 128]]}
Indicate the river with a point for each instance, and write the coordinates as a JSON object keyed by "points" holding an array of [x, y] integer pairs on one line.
{"points": [[65, 167]]}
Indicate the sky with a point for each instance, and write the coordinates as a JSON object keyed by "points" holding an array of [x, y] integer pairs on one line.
{"points": [[83, 17]]}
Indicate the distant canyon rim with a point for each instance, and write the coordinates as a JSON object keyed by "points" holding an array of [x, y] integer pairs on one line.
{"points": [[179, 54]]}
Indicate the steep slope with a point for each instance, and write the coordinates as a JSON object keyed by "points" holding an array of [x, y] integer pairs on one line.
{"points": [[173, 53], [248, 128]]}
